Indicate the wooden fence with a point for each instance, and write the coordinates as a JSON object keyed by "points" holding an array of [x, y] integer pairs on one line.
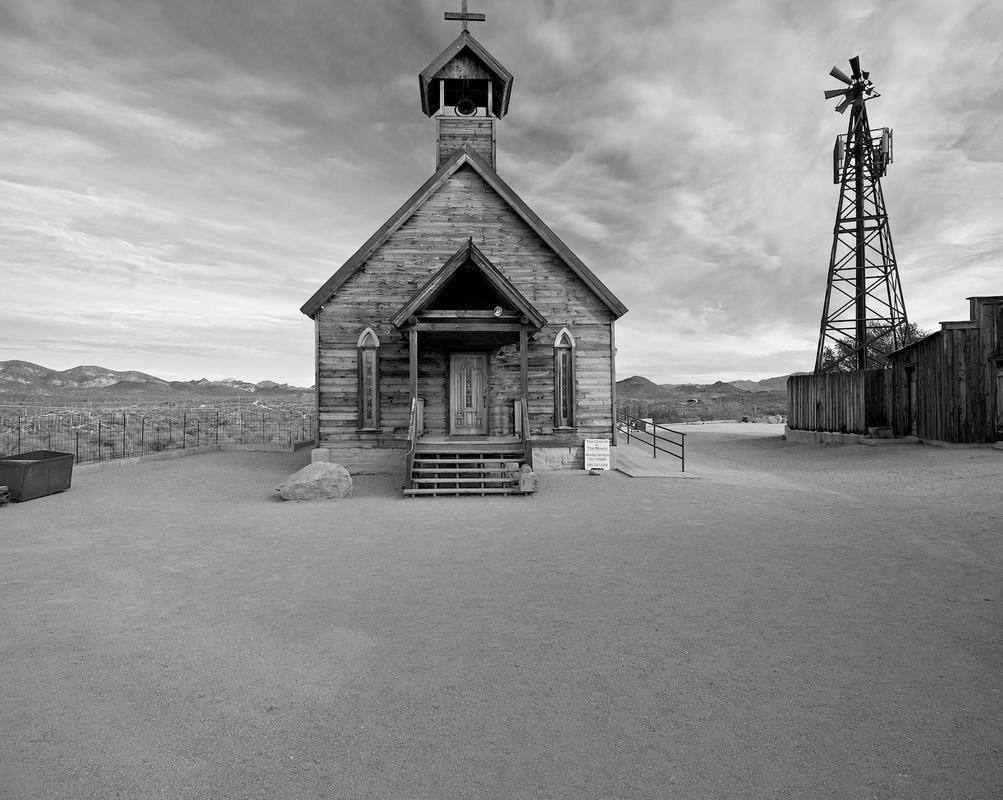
{"points": [[840, 402]]}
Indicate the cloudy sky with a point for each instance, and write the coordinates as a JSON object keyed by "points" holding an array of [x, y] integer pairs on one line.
{"points": [[177, 177]]}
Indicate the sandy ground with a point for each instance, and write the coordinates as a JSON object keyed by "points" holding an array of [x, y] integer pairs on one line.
{"points": [[797, 622]]}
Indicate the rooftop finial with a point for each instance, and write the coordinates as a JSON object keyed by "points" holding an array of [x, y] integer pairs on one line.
{"points": [[464, 16]]}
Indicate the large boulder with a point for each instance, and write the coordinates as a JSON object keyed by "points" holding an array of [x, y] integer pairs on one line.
{"points": [[320, 480]]}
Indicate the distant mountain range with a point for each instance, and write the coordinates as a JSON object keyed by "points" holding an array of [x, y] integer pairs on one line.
{"points": [[25, 378], [759, 401], [643, 389]]}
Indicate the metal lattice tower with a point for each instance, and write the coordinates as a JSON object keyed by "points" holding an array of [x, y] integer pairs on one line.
{"points": [[864, 317]]}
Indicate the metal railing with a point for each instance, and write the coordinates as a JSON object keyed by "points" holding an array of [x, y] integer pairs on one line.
{"points": [[527, 443], [662, 439]]}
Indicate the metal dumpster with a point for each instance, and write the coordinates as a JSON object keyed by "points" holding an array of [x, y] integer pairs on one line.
{"points": [[35, 474]]}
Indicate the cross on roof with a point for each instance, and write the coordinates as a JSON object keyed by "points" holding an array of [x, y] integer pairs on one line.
{"points": [[464, 16]]}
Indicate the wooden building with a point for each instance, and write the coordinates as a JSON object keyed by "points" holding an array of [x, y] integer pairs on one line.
{"points": [[464, 339], [947, 387]]}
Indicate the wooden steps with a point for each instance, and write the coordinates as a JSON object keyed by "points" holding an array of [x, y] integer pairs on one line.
{"points": [[466, 468]]}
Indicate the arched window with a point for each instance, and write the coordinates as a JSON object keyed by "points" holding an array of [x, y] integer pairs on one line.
{"points": [[369, 379], [564, 380]]}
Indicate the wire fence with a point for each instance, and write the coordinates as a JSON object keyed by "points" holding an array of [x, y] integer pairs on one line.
{"points": [[107, 435]]}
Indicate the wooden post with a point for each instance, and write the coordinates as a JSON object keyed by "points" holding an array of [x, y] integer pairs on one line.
{"points": [[316, 382], [413, 365], [612, 377], [524, 370]]}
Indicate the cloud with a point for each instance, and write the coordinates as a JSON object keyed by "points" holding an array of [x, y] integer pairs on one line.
{"points": [[185, 167]]}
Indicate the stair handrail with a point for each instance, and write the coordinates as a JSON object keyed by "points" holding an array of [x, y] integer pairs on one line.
{"points": [[412, 439], [527, 444], [633, 425]]}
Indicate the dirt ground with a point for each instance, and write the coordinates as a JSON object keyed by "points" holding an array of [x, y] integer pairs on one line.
{"points": [[796, 622]]}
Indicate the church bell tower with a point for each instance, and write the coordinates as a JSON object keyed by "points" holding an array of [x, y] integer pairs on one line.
{"points": [[467, 91]]}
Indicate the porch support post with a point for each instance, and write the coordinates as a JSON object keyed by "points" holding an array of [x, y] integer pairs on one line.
{"points": [[612, 374], [413, 366], [524, 369]]}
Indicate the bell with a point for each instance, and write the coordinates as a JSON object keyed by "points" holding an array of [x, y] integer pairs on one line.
{"points": [[465, 108]]}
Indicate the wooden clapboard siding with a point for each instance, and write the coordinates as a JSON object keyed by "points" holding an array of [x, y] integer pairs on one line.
{"points": [[465, 206], [452, 133], [433, 387], [464, 65], [465, 158]]}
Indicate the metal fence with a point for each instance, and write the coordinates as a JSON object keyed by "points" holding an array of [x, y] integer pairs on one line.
{"points": [[106, 435]]}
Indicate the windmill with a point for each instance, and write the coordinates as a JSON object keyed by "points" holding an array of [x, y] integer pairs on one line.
{"points": [[864, 317]]}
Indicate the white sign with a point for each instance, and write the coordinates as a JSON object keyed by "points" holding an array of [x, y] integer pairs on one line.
{"points": [[597, 454]]}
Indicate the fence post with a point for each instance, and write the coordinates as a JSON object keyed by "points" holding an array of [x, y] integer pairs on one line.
{"points": [[124, 453], [99, 439], [19, 433], [217, 429], [142, 436], [184, 430], [76, 447]]}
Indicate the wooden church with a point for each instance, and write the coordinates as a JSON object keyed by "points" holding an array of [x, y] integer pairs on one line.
{"points": [[464, 344]]}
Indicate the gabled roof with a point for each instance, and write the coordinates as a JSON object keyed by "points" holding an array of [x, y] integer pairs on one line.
{"points": [[501, 78], [469, 252], [404, 213]]}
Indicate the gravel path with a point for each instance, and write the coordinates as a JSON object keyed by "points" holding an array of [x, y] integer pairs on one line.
{"points": [[797, 621]]}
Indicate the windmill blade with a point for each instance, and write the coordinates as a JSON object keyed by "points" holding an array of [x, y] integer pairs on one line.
{"points": [[831, 93], [843, 106], [839, 75], [855, 67]]}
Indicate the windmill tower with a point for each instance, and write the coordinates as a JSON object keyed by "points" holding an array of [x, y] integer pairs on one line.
{"points": [[864, 317]]}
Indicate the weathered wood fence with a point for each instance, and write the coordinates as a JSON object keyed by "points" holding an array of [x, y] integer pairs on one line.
{"points": [[840, 402]]}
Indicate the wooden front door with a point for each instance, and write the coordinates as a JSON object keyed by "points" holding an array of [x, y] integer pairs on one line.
{"points": [[468, 393], [911, 396]]}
